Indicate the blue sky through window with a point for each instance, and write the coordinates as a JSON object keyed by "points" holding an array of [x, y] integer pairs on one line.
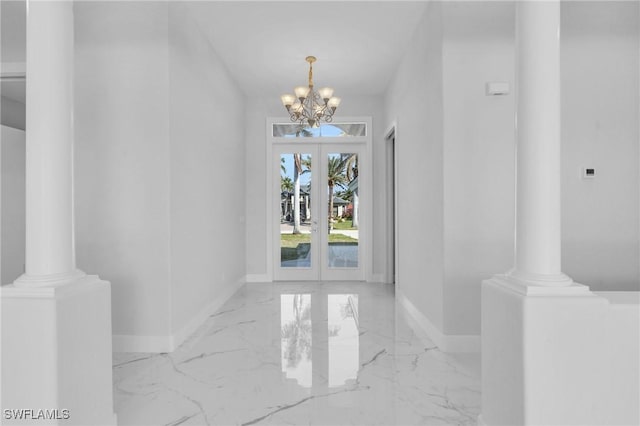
{"points": [[288, 165], [325, 130]]}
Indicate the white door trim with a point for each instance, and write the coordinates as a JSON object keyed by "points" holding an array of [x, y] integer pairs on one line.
{"points": [[367, 180], [391, 203]]}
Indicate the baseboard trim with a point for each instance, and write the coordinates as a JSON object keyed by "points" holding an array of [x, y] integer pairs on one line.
{"points": [[377, 278], [163, 344], [135, 343], [423, 327], [188, 329], [257, 278]]}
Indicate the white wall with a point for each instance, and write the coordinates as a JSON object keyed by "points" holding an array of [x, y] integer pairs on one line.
{"points": [[12, 215], [257, 231], [13, 55], [207, 159], [465, 191], [159, 140], [415, 99], [122, 158], [479, 149], [12, 113], [600, 96], [256, 226], [143, 97]]}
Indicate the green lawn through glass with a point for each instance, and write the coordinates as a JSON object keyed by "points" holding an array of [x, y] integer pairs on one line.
{"points": [[297, 246]]}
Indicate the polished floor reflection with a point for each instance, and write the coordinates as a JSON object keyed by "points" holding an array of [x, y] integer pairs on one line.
{"points": [[293, 354]]}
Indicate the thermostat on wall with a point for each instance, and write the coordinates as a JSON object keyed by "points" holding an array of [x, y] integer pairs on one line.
{"points": [[588, 173], [497, 88]]}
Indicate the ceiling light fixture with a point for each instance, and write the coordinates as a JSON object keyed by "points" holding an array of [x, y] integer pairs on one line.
{"points": [[308, 106]]}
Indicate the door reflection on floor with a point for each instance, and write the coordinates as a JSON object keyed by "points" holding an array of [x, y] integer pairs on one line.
{"points": [[295, 337], [343, 338], [325, 325]]}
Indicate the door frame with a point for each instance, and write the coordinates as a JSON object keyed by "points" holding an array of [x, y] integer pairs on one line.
{"points": [[391, 203], [365, 176]]}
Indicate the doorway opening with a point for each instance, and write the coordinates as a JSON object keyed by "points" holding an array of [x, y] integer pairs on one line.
{"points": [[321, 202]]}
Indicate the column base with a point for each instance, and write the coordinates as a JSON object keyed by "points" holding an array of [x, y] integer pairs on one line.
{"points": [[52, 280], [542, 280], [56, 354], [531, 284], [542, 354]]}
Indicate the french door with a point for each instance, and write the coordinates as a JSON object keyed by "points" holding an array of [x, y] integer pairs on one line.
{"points": [[319, 192]]}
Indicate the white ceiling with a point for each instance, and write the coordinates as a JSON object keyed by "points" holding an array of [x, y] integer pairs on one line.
{"points": [[264, 43], [13, 15], [14, 90], [358, 43]]}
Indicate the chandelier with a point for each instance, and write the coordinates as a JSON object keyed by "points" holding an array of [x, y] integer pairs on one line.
{"points": [[308, 106]]}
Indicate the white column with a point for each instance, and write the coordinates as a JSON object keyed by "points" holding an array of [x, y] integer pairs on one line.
{"points": [[542, 334], [56, 321], [538, 233], [50, 252]]}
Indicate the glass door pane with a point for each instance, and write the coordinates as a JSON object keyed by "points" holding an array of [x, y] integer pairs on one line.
{"points": [[318, 190], [343, 210], [296, 219]]}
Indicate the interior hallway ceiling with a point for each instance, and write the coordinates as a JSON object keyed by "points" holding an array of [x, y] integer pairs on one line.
{"points": [[264, 43]]}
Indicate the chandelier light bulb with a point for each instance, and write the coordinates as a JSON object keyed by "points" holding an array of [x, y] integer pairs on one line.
{"points": [[302, 92], [326, 93], [308, 106], [288, 100]]}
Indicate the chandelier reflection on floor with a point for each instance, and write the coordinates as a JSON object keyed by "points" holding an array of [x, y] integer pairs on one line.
{"points": [[310, 107]]}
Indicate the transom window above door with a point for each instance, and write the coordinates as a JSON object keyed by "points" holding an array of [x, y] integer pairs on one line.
{"points": [[325, 130]]}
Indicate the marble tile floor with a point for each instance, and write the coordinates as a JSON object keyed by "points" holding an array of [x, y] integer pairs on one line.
{"points": [[301, 354]]}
